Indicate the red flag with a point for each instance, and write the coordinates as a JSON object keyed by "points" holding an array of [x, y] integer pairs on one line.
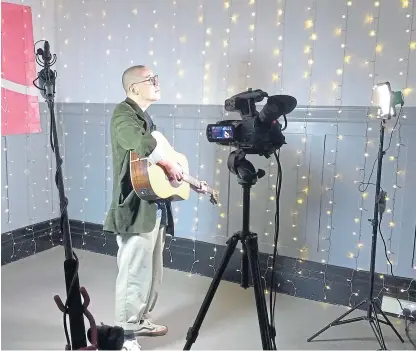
{"points": [[20, 105]]}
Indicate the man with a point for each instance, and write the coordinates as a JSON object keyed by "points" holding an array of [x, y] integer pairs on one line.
{"points": [[140, 225]]}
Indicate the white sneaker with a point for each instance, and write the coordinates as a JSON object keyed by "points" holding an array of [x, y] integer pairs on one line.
{"points": [[149, 328], [131, 345]]}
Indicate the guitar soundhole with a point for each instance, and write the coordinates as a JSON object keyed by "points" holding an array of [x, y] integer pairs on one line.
{"points": [[174, 183]]}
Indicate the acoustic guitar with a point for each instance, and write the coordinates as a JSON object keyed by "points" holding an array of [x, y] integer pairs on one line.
{"points": [[150, 181]]}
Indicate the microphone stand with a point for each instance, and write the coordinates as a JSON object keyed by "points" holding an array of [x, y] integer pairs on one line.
{"points": [[73, 306]]}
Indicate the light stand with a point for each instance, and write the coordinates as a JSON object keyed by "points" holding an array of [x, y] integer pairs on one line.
{"points": [[247, 176], [387, 103]]}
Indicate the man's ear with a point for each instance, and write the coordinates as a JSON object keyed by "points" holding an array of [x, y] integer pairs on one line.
{"points": [[134, 90]]}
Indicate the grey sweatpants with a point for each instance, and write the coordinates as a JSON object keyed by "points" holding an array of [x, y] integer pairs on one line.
{"points": [[140, 271]]}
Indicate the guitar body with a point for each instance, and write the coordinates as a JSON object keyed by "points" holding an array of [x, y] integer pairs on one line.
{"points": [[150, 181]]}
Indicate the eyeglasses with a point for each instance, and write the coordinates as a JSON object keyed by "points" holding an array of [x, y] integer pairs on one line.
{"points": [[154, 80]]}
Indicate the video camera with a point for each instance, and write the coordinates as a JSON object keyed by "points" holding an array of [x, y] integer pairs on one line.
{"points": [[258, 132]]}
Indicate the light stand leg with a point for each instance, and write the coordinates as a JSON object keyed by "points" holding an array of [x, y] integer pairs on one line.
{"points": [[372, 307], [387, 321]]}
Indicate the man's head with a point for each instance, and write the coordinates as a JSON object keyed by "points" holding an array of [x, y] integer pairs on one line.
{"points": [[141, 85]]}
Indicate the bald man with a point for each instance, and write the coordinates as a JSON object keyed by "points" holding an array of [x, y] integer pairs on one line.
{"points": [[140, 225]]}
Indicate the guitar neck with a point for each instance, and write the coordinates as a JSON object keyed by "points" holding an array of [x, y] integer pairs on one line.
{"points": [[195, 182]]}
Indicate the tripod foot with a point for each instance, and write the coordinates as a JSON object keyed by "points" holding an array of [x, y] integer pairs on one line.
{"points": [[371, 317], [338, 321]]}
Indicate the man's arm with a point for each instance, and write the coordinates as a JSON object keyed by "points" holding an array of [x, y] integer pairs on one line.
{"points": [[131, 135]]}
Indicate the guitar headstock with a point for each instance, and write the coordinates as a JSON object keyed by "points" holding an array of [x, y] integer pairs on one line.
{"points": [[214, 197]]}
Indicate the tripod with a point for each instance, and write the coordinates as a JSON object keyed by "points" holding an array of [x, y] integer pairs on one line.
{"points": [[247, 176], [373, 306]]}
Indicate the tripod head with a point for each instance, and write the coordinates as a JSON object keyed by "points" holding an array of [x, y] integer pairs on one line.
{"points": [[243, 169]]}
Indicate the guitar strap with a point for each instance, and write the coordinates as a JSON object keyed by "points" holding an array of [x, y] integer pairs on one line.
{"points": [[150, 126]]}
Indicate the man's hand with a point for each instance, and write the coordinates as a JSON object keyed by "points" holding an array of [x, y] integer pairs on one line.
{"points": [[203, 188], [172, 169]]}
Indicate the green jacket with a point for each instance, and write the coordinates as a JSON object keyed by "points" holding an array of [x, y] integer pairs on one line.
{"points": [[128, 213]]}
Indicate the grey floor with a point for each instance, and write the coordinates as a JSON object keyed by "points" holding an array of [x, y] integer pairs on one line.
{"points": [[31, 320]]}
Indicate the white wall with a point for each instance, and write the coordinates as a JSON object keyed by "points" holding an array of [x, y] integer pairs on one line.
{"points": [[99, 39]]}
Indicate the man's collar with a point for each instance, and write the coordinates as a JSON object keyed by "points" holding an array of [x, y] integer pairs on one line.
{"points": [[134, 105]]}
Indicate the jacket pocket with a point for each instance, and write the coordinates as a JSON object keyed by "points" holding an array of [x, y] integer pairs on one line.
{"points": [[126, 212], [125, 200], [126, 189]]}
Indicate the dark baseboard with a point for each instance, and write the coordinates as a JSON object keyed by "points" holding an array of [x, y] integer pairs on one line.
{"points": [[27, 241], [303, 279]]}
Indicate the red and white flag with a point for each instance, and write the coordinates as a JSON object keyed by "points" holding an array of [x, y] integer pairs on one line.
{"points": [[19, 104]]}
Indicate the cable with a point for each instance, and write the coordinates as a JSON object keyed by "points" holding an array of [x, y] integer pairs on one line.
{"points": [[63, 209], [387, 256], [273, 291], [368, 183], [407, 329], [391, 134]]}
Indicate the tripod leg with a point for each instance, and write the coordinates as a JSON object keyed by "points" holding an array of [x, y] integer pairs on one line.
{"points": [[194, 330], [335, 322], [253, 258], [244, 269], [388, 322]]}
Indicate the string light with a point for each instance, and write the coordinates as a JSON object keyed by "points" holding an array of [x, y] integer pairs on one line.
{"points": [[104, 134], [206, 34], [7, 191], [172, 115], [252, 30], [302, 184], [374, 22], [36, 211], [300, 201], [221, 151], [334, 152], [399, 145], [277, 78]]}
